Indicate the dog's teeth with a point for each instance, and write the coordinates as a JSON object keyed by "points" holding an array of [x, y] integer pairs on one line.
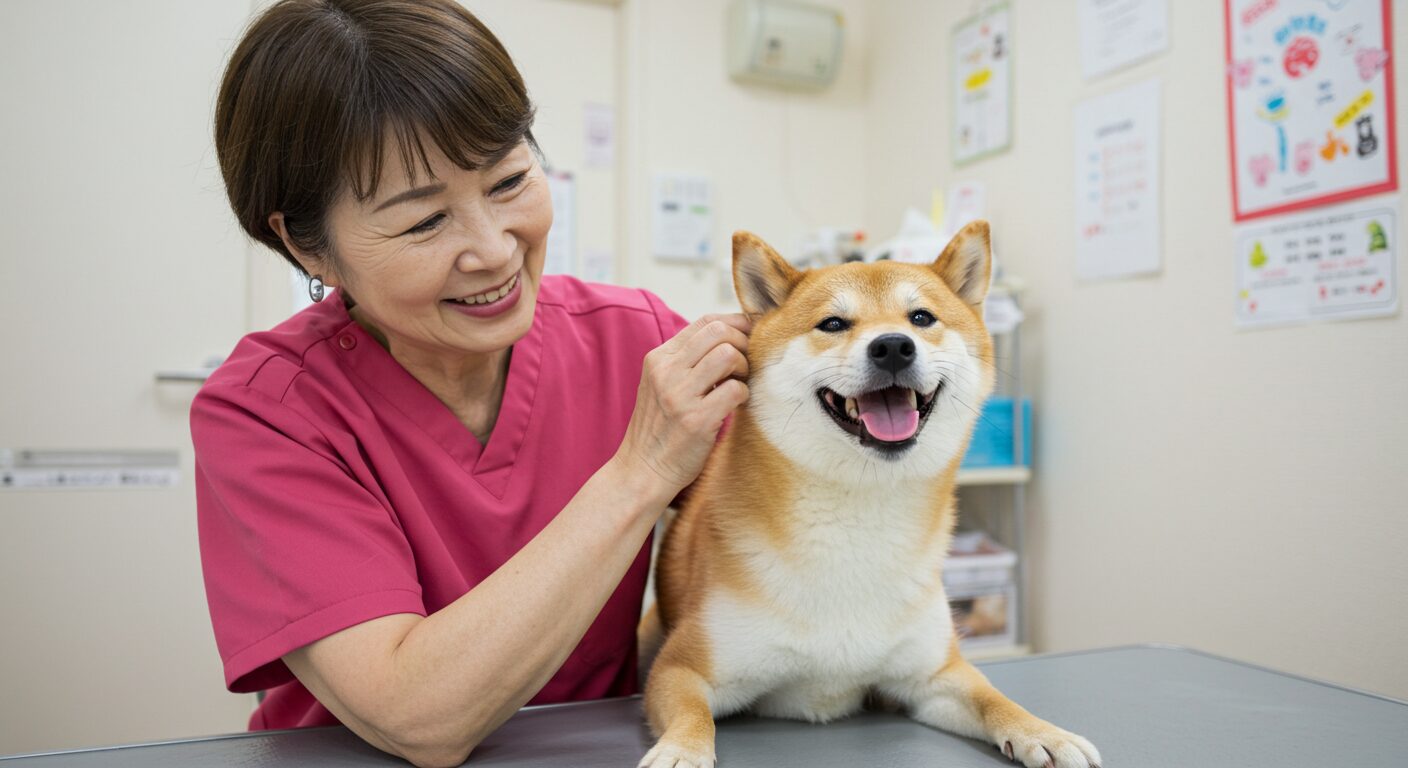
{"points": [[913, 398], [851, 409]]}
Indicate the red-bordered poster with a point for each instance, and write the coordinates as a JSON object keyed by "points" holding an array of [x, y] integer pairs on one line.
{"points": [[1309, 103]]}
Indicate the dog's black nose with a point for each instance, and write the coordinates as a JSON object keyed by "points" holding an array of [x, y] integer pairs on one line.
{"points": [[892, 352]]}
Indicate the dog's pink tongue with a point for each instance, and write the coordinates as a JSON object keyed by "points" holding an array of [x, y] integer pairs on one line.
{"points": [[888, 415]]}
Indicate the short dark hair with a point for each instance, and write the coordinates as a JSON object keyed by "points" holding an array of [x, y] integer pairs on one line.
{"points": [[316, 86]]}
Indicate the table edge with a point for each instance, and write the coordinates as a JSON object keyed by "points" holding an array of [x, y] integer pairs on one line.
{"points": [[1185, 649], [540, 707]]}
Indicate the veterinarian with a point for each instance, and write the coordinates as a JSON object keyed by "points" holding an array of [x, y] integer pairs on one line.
{"points": [[425, 501]]}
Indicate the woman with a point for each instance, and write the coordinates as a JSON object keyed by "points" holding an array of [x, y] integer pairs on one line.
{"points": [[426, 500]]}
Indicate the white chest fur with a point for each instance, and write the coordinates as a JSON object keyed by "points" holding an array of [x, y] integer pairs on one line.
{"points": [[854, 601]]}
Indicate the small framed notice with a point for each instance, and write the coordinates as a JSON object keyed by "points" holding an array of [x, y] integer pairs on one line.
{"points": [[982, 84]]}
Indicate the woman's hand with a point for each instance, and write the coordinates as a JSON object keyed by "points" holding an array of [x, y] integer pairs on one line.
{"points": [[688, 386]]}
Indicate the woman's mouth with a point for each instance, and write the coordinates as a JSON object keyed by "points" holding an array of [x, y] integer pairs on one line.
{"points": [[491, 302]]}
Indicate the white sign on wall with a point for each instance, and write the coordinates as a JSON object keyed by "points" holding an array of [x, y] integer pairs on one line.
{"points": [[1117, 183], [599, 135], [1332, 262], [561, 258], [78, 470], [1117, 33], [682, 217]]}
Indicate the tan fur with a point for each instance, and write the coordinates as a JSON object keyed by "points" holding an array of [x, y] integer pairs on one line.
{"points": [[747, 502]]}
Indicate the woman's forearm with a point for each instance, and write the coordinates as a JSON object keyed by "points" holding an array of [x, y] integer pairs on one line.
{"points": [[430, 689], [433, 688]]}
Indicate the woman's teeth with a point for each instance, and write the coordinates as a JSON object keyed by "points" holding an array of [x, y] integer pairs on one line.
{"points": [[491, 296]]}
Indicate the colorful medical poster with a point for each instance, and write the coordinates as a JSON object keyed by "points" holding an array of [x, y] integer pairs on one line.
{"points": [[1310, 103], [1332, 262], [1117, 33], [1117, 183], [982, 84]]}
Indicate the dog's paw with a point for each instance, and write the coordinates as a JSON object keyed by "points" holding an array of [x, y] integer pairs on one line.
{"points": [[668, 754], [1043, 745]]}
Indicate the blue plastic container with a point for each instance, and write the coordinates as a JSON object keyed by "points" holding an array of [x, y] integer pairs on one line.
{"points": [[993, 435]]}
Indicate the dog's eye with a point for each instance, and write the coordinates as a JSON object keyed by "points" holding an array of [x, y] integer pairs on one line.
{"points": [[833, 324], [921, 318]]}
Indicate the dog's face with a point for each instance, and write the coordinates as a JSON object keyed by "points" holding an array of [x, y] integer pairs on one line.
{"points": [[868, 372]]}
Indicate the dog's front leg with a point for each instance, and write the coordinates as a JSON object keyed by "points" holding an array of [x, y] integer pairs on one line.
{"points": [[677, 707], [959, 699]]}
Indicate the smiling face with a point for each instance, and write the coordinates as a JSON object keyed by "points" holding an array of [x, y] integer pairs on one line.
{"points": [[863, 371], [447, 266]]}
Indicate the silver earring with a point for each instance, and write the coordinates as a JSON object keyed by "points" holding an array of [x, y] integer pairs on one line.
{"points": [[315, 288]]}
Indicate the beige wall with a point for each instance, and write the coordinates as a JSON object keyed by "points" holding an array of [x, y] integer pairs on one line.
{"points": [[781, 162], [1242, 492]]}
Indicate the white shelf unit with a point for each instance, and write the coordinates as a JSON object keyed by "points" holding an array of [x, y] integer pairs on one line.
{"points": [[994, 476], [991, 652], [1004, 488]]}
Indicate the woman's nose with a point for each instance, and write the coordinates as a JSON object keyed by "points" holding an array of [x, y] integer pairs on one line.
{"points": [[486, 246]]}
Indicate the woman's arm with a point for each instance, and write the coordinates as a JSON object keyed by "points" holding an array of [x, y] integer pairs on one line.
{"points": [[430, 689]]}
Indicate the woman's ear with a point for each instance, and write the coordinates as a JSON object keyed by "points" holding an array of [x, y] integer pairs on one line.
{"points": [[311, 263], [761, 278], [966, 264]]}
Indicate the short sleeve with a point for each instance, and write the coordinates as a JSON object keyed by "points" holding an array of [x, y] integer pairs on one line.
{"points": [[294, 547], [669, 321]]}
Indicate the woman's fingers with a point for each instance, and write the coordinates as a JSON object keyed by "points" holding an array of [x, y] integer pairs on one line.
{"points": [[697, 339], [726, 397], [688, 386], [724, 361]]}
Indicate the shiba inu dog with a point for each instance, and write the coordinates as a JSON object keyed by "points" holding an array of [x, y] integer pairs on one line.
{"points": [[803, 574]]}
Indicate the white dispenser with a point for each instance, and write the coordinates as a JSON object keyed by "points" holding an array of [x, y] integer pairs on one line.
{"points": [[784, 44]]}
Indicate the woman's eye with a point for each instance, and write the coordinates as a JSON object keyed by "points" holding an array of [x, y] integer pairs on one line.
{"points": [[921, 317], [509, 183], [427, 225], [833, 325]]}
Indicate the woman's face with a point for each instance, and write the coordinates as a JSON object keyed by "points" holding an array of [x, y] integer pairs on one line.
{"points": [[450, 265]]}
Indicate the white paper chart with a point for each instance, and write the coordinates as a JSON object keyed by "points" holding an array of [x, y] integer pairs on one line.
{"points": [[1310, 90], [982, 93], [1117, 33], [1336, 261], [599, 135], [682, 218], [1117, 183], [561, 258]]}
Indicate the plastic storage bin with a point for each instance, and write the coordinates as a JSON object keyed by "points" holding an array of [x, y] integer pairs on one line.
{"points": [[980, 580], [993, 435]]}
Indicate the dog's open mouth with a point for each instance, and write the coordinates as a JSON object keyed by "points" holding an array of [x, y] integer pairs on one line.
{"points": [[888, 419]]}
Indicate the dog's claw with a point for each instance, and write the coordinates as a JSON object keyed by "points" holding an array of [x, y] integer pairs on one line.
{"points": [[1050, 747]]}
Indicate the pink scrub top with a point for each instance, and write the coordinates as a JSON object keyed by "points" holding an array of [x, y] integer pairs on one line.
{"points": [[332, 487]]}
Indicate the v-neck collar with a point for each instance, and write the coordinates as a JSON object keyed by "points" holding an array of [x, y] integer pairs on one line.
{"points": [[490, 463]]}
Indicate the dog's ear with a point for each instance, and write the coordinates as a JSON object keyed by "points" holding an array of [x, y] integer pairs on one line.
{"points": [[966, 264], [761, 278]]}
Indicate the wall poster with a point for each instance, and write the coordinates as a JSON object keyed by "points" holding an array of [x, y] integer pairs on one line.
{"points": [[1310, 103]]}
